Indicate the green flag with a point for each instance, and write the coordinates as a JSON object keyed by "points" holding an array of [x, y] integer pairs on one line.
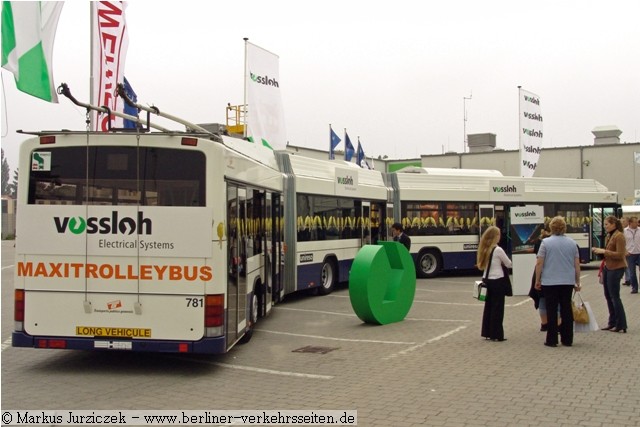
{"points": [[28, 32]]}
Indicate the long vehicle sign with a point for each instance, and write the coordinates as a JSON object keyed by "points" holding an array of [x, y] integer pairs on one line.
{"points": [[100, 331]]}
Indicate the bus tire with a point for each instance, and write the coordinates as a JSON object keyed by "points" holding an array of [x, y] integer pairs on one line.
{"points": [[329, 277], [428, 263], [254, 309]]}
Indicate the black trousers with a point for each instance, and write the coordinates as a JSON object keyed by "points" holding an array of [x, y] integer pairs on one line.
{"points": [[493, 315], [559, 295]]}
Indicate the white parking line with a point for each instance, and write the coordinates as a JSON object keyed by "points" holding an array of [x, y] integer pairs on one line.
{"points": [[334, 338], [315, 311], [263, 371], [476, 304], [524, 301], [439, 291], [418, 346], [353, 315], [8, 266], [6, 344], [438, 320], [274, 372]]}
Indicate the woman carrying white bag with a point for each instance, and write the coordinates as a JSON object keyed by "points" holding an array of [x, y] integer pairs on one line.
{"points": [[557, 275]]}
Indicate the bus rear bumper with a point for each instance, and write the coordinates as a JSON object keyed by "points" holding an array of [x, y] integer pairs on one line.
{"points": [[214, 345]]}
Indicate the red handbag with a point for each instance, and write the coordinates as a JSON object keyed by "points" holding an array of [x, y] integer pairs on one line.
{"points": [[600, 278]]}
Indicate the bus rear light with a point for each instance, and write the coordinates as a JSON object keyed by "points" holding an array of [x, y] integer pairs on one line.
{"points": [[190, 141], [57, 344], [183, 347], [52, 344], [214, 310], [18, 308], [49, 139]]}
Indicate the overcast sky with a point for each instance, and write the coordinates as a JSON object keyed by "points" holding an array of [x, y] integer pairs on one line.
{"points": [[393, 73]]}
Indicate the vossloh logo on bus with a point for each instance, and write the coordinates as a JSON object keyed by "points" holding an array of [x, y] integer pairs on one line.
{"points": [[503, 191], [104, 225], [346, 182]]}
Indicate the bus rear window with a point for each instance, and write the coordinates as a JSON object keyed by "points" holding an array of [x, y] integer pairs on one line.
{"points": [[104, 175]]}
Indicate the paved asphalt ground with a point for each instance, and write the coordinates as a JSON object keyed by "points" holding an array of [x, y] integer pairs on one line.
{"points": [[432, 369]]}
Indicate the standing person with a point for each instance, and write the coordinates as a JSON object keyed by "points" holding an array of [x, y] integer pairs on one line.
{"points": [[535, 294], [632, 240], [614, 265], [399, 236], [490, 260], [558, 274], [627, 281]]}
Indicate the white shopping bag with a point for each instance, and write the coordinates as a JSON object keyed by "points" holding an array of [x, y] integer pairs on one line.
{"points": [[479, 291], [587, 327]]}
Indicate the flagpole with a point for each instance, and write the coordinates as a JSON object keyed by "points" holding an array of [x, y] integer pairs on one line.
{"points": [[244, 101], [520, 130], [91, 61], [345, 144], [330, 142]]}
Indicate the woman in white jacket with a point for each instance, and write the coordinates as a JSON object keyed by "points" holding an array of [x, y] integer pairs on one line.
{"points": [[492, 257]]}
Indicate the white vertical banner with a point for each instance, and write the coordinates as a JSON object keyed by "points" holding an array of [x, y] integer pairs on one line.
{"points": [[265, 114], [530, 132], [109, 43]]}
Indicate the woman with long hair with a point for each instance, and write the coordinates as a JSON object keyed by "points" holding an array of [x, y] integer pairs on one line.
{"points": [[490, 259], [615, 263]]}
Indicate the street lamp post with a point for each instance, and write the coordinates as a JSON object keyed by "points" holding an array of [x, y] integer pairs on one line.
{"points": [[464, 117]]}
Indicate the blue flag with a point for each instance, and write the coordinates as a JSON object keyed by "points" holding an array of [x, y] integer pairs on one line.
{"points": [[361, 159], [333, 143], [348, 147], [132, 111]]}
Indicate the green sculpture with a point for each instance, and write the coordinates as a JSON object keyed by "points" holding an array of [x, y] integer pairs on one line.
{"points": [[382, 283]]}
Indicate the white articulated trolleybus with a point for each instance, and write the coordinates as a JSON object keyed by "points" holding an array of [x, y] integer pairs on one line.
{"points": [[123, 241], [176, 241], [445, 211], [338, 207]]}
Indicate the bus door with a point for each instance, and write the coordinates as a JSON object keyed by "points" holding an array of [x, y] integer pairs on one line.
{"points": [[377, 219], [598, 233], [275, 242], [366, 223], [495, 215], [501, 215], [387, 220], [236, 262], [267, 272]]}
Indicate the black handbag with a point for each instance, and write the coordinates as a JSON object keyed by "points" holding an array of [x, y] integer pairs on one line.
{"points": [[507, 281], [501, 285]]}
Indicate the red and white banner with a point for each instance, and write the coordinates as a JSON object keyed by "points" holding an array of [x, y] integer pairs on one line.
{"points": [[110, 41]]}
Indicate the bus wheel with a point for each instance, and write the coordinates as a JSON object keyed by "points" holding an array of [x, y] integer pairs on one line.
{"points": [[429, 263], [253, 317], [329, 277]]}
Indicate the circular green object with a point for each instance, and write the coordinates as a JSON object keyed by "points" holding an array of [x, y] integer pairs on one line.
{"points": [[382, 283]]}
